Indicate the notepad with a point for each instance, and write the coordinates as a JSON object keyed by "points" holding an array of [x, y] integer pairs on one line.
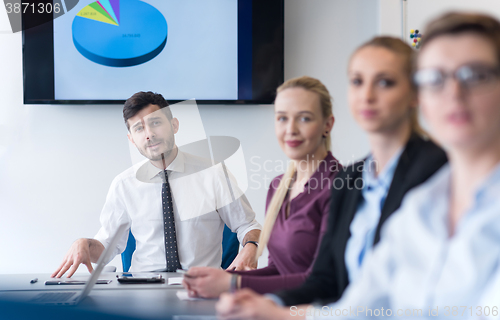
{"points": [[174, 281], [183, 295]]}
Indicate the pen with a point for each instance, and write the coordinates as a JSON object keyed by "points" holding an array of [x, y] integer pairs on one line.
{"points": [[34, 280]]}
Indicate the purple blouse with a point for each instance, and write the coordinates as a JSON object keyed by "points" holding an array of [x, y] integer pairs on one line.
{"points": [[295, 240]]}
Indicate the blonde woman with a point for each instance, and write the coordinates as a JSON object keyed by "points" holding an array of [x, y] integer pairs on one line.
{"points": [[441, 250], [297, 202]]}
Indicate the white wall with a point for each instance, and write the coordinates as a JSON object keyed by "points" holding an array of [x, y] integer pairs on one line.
{"points": [[419, 12], [390, 20], [320, 35], [57, 161]]}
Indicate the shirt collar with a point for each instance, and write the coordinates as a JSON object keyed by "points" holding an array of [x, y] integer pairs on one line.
{"points": [[490, 188], [437, 198], [384, 178], [440, 184], [148, 173]]}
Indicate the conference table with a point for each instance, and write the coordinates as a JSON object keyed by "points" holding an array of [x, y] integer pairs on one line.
{"points": [[127, 301]]}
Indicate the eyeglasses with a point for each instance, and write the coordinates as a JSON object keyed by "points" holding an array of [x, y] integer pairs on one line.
{"points": [[474, 78]]}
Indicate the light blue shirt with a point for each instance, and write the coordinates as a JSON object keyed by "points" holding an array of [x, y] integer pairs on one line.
{"points": [[364, 224], [417, 265]]}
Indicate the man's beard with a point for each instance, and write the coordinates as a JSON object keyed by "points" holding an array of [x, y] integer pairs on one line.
{"points": [[157, 157]]}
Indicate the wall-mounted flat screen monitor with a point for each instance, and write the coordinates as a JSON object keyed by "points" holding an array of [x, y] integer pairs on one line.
{"points": [[102, 52]]}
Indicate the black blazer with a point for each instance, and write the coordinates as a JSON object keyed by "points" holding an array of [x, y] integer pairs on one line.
{"points": [[419, 160]]}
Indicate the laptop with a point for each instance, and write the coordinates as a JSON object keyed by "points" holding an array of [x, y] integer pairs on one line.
{"points": [[62, 297]]}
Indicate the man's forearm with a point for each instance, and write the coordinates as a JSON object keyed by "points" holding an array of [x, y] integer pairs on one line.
{"points": [[95, 248], [252, 235]]}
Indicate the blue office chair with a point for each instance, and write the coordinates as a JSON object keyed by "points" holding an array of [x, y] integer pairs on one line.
{"points": [[230, 247]]}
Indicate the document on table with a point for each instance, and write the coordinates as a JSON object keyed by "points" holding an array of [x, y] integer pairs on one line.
{"points": [[174, 281], [183, 295]]}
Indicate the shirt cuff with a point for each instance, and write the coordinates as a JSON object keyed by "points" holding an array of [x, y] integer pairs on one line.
{"points": [[274, 298], [241, 235]]}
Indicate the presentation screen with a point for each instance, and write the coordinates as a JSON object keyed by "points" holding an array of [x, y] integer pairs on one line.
{"points": [[102, 52]]}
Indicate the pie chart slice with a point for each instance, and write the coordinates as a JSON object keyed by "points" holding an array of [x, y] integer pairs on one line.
{"points": [[122, 34], [106, 5]]}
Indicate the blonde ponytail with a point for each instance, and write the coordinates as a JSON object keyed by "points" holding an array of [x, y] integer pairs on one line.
{"points": [[275, 206]]}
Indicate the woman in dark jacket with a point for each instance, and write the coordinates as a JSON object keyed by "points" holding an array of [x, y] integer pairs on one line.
{"points": [[383, 101]]}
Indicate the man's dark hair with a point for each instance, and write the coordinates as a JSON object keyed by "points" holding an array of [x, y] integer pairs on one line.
{"points": [[141, 100]]}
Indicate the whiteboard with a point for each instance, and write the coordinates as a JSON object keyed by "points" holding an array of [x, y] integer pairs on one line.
{"points": [[419, 12]]}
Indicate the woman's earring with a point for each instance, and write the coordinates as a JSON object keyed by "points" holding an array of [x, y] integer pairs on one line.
{"points": [[325, 134]]}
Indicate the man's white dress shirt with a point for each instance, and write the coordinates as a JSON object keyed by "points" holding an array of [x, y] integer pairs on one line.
{"points": [[205, 198], [418, 266]]}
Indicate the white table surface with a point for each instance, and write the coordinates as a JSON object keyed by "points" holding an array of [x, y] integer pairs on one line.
{"points": [[141, 301]]}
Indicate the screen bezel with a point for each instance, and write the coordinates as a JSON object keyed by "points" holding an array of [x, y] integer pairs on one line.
{"points": [[267, 48]]}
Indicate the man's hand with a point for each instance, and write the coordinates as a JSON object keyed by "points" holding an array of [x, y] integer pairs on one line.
{"points": [[247, 259], [206, 282], [248, 305], [82, 251]]}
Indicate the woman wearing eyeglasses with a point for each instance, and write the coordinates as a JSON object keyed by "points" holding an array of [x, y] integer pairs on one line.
{"points": [[441, 250]]}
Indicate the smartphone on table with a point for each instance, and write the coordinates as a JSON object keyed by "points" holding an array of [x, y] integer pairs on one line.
{"points": [[138, 278]]}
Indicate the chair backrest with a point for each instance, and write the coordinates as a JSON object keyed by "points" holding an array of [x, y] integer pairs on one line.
{"points": [[127, 254], [230, 247]]}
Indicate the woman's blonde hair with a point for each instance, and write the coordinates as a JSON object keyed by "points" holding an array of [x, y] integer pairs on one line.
{"points": [[399, 47], [325, 101]]}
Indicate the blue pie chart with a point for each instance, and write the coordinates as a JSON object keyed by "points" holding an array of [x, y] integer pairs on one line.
{"points": [[119, 33]]}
